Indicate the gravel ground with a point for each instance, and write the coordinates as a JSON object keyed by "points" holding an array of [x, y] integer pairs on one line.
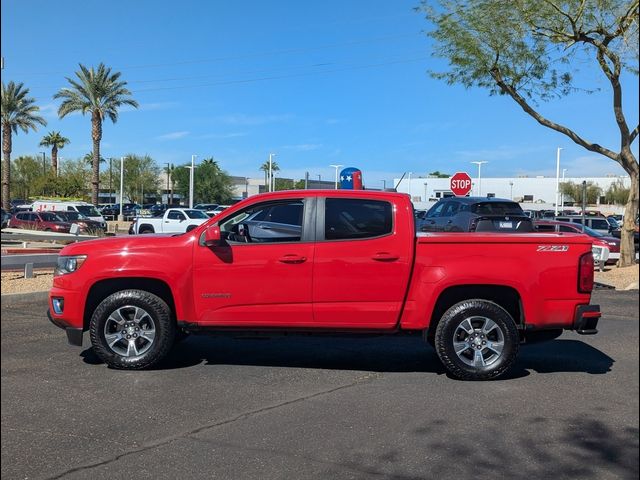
{"points": [[12, 282]]}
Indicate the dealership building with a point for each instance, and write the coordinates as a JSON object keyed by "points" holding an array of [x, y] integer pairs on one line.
{"points": [[538, 191]]}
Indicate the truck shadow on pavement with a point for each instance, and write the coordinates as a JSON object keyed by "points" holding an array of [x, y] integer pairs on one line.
{"points": [[377, 354]]}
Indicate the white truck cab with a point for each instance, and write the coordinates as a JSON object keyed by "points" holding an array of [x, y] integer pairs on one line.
{"points": [[174, 220]]}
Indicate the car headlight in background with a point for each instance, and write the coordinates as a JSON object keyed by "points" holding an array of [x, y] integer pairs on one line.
{"points": [[69, 264]]}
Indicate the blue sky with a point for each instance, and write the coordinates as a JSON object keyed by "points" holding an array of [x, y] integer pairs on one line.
{"points": [[317, 83]]}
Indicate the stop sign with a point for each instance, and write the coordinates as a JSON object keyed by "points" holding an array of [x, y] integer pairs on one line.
{"points": [[460, 184]]}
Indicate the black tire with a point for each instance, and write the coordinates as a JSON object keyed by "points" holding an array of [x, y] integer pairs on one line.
{"points": [[191, 227], [158, 314], [465, 364], [146, 229]]}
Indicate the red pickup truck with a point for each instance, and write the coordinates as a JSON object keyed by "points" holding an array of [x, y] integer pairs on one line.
{"points": [[347, 262]]}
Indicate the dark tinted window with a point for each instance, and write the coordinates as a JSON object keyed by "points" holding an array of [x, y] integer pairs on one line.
{"points": [[435, 210], [497, 208], [22, 216], [545, 228], [175, 215], [354, 218], [599, 224], [565, 228], [49, 217], [450, 209]]}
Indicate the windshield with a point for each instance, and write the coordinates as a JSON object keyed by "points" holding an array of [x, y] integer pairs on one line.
{"points": [[592, 233], [196, 214], [88, 210]]}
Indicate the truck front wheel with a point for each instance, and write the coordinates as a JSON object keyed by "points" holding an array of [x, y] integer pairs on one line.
{"points": [[132, 329], [476, 340]]}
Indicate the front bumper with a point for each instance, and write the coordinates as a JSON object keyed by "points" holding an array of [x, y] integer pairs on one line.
{"points": [[586, 319], [74, 335]]}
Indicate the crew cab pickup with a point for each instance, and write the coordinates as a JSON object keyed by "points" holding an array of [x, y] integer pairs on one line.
{"points": [[339, 262], [174, 220]]}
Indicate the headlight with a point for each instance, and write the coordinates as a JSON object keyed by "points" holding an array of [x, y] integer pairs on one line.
{"points": [[69, 264]]}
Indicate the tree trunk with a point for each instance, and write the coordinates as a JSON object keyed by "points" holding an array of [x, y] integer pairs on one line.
{"points": [[54, 160], [96, 135], [6, 166], [627, 250]]}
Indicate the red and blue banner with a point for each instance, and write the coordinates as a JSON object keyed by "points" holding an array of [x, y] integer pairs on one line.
{"points": [[351, 179]]}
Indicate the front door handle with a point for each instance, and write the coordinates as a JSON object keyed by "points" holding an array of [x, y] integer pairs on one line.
{"points": [[385, 257], [292, 259]]}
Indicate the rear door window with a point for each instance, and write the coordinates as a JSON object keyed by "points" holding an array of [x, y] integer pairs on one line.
{"points": [[497, 208], [350, 218]]}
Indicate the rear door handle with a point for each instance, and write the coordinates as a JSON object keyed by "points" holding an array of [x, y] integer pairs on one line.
{"points": [[292, 259], [385, 257]]}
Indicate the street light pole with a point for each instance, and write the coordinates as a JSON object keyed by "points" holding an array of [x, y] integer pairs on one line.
{"points": [[511, 185], [409, 183], [168, 170], [336, 167], [271, 155], [480, 176], [193, 161], [384, 185], [557, 179], [564, 170], [121, 217]]}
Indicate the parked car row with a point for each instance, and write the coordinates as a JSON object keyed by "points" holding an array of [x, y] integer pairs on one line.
{"points": [[55, 222]]}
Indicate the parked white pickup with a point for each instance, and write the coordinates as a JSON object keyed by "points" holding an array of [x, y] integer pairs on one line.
{"points": [[174, 220]]}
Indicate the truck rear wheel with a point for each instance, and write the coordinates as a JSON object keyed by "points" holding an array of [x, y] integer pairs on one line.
{"points": [[476, 340], [132, 329]]}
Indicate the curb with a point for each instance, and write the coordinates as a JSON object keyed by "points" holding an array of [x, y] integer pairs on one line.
{"points": [[8, 299]]}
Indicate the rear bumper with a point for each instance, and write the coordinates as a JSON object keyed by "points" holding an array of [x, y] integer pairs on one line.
{"points": [[586, 319], [74, 335]]}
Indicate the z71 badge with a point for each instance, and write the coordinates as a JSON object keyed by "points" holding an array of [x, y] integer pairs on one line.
{"points": [[553, 248]]}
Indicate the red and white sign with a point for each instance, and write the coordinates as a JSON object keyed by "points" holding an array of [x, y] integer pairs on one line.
{"points": [[460, 184]]}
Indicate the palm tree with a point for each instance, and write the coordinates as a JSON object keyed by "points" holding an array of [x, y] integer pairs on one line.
{"points": [[55, 141], [265, 168], [18, 111], [100, 93]]}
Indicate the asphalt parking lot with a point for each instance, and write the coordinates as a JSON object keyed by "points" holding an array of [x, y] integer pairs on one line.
{"points": [[315, 407]]}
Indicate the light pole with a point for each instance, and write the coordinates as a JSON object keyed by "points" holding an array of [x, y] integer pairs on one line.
{"points": [[480, 176], [336, 167], [557, 179], [511, 185], [426, 196], [384, 185], [564, 170], [193, 162], [409, 185], [271, 155], [121, 216], [44, 164]]}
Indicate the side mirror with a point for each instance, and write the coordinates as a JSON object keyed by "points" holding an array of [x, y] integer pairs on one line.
{"points": [[212, 237]]}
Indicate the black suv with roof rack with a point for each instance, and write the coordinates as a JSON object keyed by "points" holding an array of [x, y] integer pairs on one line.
{"points": [[475, 214]]}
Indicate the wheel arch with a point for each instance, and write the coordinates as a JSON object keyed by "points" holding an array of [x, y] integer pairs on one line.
{"points": [[146, 226], [103, 288], [506, 297]]}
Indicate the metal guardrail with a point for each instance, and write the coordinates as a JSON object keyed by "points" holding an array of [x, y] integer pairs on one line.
{"points": [[38, 260], [21, 235]]}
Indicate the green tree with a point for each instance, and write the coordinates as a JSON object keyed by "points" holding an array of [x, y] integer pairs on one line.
{"points": [[99, 93], [265, 168], [617, 193], [74, 178], [18, 111], [438, 174], [56, 142], [140, 177], [573, 191], [26, 175], [528, 49], [211, 183]]}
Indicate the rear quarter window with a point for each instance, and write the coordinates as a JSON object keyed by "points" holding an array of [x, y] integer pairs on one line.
{"points": [[497, 208]]}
